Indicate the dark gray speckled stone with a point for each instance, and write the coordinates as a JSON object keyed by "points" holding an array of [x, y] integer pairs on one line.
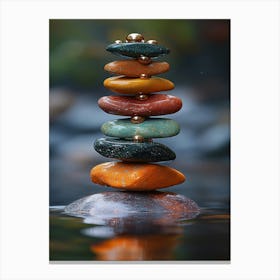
{"points": [[132, 151], [137, 49]]}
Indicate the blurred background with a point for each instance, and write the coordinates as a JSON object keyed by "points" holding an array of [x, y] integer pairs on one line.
{"points": [[200, 69]]}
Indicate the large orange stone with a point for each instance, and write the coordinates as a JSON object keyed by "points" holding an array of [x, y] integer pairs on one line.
{"points": [[121, 84], [132, 68], [135, 176]]}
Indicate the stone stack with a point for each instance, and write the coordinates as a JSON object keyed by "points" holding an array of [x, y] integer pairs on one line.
{"points": [[130, 140]]}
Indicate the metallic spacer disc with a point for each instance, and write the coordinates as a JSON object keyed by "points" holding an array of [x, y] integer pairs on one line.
{"points": [[138, 138], [144, 59], [137, 119], [134, 37], [141, 96], [154, 42], [144, 76]]}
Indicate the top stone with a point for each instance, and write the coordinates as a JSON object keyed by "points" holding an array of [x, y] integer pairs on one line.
{"points": [[137, 49]]}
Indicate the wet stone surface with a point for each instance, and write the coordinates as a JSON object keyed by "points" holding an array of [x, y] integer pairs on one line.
{"points": [[104, 208], [132, 151]]}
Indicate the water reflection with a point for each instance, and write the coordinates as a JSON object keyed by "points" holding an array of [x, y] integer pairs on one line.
{"points": [[136, 237], [137, 248], [135, 226]]}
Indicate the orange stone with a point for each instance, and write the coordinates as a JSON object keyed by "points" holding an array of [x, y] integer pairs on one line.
{"points": [[135, 176], [122, 84], [132, 68]]}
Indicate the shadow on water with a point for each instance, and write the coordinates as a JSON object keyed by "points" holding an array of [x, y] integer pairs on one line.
{"points": [[128, 226]]}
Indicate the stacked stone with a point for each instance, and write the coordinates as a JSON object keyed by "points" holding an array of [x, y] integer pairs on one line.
{"points": [[130, 140]]}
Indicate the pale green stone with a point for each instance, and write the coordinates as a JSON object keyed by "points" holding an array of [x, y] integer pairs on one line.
{"points": [[150, 128]]}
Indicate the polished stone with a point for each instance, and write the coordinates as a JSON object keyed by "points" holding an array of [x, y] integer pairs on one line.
{"points": [[133, 68], [150, 128], [154, 105], [121, 84], [136, 49], [135, 176], [133, 152], [161, 208]]}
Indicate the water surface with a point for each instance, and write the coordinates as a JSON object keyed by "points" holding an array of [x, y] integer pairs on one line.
{"points": [[203, 238]]}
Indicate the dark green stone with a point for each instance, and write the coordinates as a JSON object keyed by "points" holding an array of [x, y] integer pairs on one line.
{"points": [[132, 151], [136, 49]]}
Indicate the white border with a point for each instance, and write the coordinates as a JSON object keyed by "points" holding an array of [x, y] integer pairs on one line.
{"points": [[254, 130]]}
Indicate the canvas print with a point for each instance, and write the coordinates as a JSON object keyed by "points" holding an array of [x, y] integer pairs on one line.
{"points": [[139, 140]]}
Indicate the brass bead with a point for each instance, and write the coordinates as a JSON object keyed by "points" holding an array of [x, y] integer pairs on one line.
{"points": [[138, 138], [141, 96], [134, 37], [118, 42], [144, 76], [144, 59], [137, 119], [154, 42]]}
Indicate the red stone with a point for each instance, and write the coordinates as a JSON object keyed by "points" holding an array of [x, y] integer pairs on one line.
{"points": [[154, 105]]}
